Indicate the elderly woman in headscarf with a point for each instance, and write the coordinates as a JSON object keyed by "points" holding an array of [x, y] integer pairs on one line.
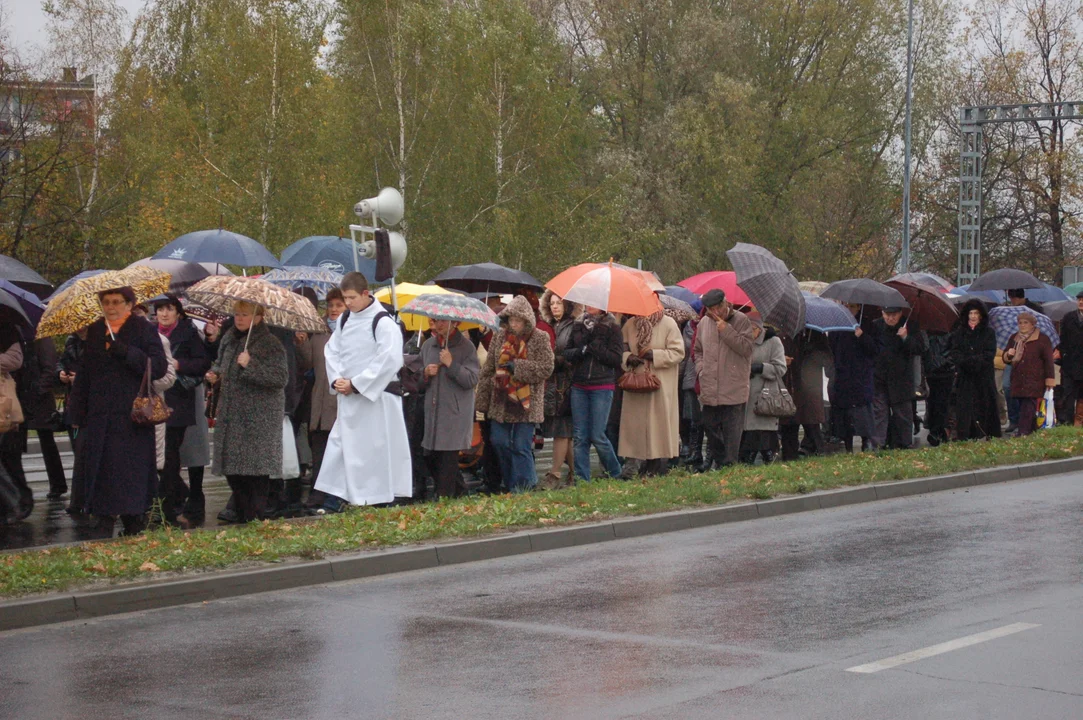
{"points": [[650, 422], [1030, 353], [768, 367], [118, 455]]}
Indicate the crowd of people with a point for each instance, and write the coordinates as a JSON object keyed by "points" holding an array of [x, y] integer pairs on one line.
{"points": [[370, 414]]}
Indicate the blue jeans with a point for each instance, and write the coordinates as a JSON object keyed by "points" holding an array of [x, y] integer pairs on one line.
{"points": [[590, 414], [1013, 403], [514, 447]]}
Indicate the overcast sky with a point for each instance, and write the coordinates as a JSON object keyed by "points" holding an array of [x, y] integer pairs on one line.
{"points": [[26, 21]]}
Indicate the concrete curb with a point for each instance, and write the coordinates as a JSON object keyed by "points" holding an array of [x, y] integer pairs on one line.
{"points": [[63, 607]]}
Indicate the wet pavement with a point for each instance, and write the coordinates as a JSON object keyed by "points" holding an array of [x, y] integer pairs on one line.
{"points": [[759, 619]]}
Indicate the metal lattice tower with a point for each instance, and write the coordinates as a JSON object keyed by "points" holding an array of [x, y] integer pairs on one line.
{"points": [[971, 121]]}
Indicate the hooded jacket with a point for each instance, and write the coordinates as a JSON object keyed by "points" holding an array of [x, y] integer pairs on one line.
{"points": [[595, 352], [534, 369]]}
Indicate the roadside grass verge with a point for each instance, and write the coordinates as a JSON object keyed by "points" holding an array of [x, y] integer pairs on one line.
{"points": [[174, 551]]}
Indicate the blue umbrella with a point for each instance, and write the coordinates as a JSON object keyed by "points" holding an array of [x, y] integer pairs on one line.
{"points": [[298, 276], [330, 253], [827, 315], [70, 281], [218, 246], [11, 309], [1050, 293], [28, 301], [685, 294], [994, 296]]}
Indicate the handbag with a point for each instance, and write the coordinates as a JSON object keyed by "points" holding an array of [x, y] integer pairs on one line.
{"points": [[11, 410], [639, 382], [149, 408], [775, 402]]}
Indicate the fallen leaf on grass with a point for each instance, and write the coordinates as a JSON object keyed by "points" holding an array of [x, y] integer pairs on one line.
{"points": [[97, 568], [149, 567], [220, 535], [402, 524]]}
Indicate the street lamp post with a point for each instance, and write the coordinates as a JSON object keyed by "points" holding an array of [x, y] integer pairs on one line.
{"points": [[906, 142]]}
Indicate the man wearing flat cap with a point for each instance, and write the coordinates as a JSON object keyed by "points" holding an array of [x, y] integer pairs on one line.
{"points": [[1070, 351], [723, 355], [897, 342]]}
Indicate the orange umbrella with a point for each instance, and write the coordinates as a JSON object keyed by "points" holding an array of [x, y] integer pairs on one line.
{"points": [[608, 287]]}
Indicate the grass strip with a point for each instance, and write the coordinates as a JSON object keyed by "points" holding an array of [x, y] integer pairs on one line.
{"points": [[171, 550]]}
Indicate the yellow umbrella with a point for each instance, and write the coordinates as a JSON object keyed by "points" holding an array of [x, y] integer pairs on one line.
{"points": [[78, 306], [405, 293]]}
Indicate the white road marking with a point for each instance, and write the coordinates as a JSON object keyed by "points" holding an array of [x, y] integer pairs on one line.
{"points": [[932, 650]]}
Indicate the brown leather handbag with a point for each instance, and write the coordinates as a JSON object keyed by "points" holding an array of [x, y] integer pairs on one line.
{"points": [[639, 381], [149, 407]]}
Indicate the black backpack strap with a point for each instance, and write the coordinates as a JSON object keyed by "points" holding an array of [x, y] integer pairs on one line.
{"points": [[395, 387], [345, 316], [376, 320]]}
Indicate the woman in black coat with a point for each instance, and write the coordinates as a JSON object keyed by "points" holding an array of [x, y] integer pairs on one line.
{"points": [[190, 355], [118, 458], [851, 392], [972, 348]]}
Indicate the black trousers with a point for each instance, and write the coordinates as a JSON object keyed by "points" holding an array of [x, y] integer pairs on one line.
{"points": [[1071, 392], [77, 500], [754, 442], [813, 443], [11, 455], [54, 466], [249, 495], [494, 478], [171, 488], [724, 425], [937, 406], [444, 467], [317, 440]]}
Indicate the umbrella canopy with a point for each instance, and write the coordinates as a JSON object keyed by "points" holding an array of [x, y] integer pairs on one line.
{"points": [[281, 307], [23, 276], [813, 287], [32, 306], [215, 268], [685, 294], [607, 287], [1047, 293], [218, 246], [677, 309], [771, 286], [827, 315], [927, 279], [333, 253], [1006, 279], [929, 306], [486, 276], [78, 305], [1073, 289], [958, 300], [1057, 309], [71, 281], [653, 281], [182, 274], [406, 293], [457, 308], [863, 291], [12, 310], [1004, 320], [724, 280], [297, 277]]}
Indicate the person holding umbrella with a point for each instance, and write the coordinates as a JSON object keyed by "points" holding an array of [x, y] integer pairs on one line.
{"points": [[450, 376], [1070, 355], [595, 354], [1030, 354], [852, 390], [893, 379], [251, 367]]}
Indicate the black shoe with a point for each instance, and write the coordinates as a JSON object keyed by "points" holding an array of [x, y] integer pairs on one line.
{"points": [[1011, 429], [56, 494], [228, 516]]}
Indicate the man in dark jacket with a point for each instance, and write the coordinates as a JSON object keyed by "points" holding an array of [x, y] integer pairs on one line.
{"points": [[893, 379], [852, 389], [940, 374], [36, 381], [1070, 353], [595, 352]]}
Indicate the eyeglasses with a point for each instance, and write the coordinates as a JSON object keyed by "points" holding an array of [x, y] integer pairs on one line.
{"points": [[114, 303]]}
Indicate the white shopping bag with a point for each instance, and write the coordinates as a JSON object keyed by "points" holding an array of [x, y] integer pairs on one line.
{"points": [[291, 468], [1046, 412]]}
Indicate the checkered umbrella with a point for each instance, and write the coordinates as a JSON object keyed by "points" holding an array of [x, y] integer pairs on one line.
{"points": [[1005, 320], [770, 285], [457, 308], [296, 277]]}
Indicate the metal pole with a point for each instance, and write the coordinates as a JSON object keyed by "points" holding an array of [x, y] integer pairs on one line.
{"points": [[906, 146]]}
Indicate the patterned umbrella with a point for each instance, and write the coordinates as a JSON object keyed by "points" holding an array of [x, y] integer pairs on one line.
{"points": [[77, 306], [677, 309], [296, 277], [71, 281], [457, 308], [827, 315], [281, 307], [813, 287], [1005, 320], [770, 285]]}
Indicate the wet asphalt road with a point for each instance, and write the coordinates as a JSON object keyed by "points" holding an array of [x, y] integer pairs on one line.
{"points": [[751, 620]]}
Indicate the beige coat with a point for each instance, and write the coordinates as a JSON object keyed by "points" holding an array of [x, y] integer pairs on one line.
{"points": [[649, 422], [724, 360], [324, 404]]}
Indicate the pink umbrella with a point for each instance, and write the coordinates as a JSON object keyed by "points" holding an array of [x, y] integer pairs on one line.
{"points": [[724, 280]]}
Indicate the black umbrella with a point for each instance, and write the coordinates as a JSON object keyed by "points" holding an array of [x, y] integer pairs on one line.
{"points": [[181, 274], [1057, 309], [1006, 279], [486, 277], [19, 274], [218, 246], [12, 310], [770, 286], [863, 291]]}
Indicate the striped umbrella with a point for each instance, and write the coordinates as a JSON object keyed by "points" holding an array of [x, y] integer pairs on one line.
{"points": [[770, 285], [296, 277], [281, 307], [453, 307], [78, 305]]}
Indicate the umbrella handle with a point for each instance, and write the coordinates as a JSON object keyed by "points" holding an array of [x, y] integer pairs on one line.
{"points": [[246, 337], [111, 335]]}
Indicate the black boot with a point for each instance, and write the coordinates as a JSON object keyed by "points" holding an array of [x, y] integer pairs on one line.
{"points": [[133, 524], [695, 448]]}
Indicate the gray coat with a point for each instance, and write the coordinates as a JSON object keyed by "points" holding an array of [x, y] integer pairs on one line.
{"points": [[248, 429], [324, 405], [771, 353], [449, 397]]}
